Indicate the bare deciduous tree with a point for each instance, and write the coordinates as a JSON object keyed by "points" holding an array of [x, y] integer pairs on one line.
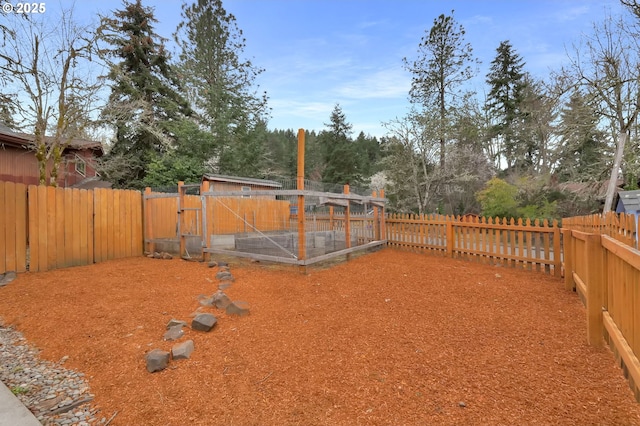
{"points": [[607, 65], [47, 83]]}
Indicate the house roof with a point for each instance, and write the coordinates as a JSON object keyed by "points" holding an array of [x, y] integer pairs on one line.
{"points": [[18, 139], [630, 200], [241, 180]]}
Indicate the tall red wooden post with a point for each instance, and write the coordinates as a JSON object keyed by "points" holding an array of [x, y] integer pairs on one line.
{"points": [[302, 243]]}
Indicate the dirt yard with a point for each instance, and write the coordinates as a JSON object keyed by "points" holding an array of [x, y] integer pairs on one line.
{"points": [[387, 338]]}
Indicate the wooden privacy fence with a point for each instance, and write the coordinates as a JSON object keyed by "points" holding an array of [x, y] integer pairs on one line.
{"points": [[522, 244], [606, 274], [43, 228], [622, 227]]}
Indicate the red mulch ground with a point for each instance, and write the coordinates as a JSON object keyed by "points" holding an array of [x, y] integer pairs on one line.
{"points": [[387, 338]]}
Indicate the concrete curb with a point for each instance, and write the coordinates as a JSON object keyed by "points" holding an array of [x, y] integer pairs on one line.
{"points": [[13, 412]]}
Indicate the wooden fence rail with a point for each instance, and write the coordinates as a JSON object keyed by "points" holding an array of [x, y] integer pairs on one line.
{"points": [[606, 274], [522, 244], [43, 228]]}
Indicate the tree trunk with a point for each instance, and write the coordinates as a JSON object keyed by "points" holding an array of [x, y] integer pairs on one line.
{"points": [[613, 180]]}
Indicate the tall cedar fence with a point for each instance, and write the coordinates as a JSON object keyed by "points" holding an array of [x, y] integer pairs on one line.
{"points": [[44, 228]]}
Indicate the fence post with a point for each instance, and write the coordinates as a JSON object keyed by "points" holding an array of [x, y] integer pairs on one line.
{"points": [[347, 221], [148, 226], [302, 242], [595, 286], [383, 216], [449, 236], [557, 251], [376, 218], [569, 254], [204, 187], [181, 218]]}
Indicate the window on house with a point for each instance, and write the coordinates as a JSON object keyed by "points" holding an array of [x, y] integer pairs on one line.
{"points": [[246, 189], [81, 166]]}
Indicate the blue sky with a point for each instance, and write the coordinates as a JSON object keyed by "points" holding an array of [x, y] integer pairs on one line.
{"points": [[317, 53]]}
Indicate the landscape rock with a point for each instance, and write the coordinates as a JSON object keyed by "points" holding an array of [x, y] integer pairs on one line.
{"points": [[167, 256], [203, 322], [212, 264], [223, 264], [238, 308], [174, 333], [157, 360], [220, 300], [205, 300], [224, 285], [182, 350], [6, 278], [174, 322], [224, 269], [224, 276]]}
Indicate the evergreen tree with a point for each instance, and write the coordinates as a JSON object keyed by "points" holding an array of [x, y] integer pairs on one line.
{"points": [[368, 153], [145, 100], [582, 148], [507, 81], [444, 63], [220, 82], [341, 164]]}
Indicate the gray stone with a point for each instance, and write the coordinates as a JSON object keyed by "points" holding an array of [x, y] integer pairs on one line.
{"points": [[203, 322], [238, 308], [174, 322], [224, 285], [6, 278], [224, 276], [182, 350], [157, 360], [205, 300], [174, 333], [223, 264], [212, 264], [220, 299], [224, 269]]}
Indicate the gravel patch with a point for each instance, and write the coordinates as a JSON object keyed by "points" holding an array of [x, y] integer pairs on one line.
{"points": [[54, 394]]}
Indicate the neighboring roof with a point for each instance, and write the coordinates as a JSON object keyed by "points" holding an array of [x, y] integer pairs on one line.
{"points": [[629, 200], [241, 180], [24, 140]]}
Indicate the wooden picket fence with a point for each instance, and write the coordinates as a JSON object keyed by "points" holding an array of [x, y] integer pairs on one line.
{"points": [[605, 272], [532, 245], [622, 227], [44, 228]]}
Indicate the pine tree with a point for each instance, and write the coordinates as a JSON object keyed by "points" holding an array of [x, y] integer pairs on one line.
{"points": [[341, 164], [444, 63], [582, 147], [507, 81], [220, 82], [145, 103]]}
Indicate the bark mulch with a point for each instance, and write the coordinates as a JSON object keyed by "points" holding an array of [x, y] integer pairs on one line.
{"points": [[386, 338]]}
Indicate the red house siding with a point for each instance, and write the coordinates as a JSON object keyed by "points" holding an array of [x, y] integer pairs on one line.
{"points": [[19, 164]]}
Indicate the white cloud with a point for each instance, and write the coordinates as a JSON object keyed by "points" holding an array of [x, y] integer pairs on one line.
{"points": [[388, 83]]}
